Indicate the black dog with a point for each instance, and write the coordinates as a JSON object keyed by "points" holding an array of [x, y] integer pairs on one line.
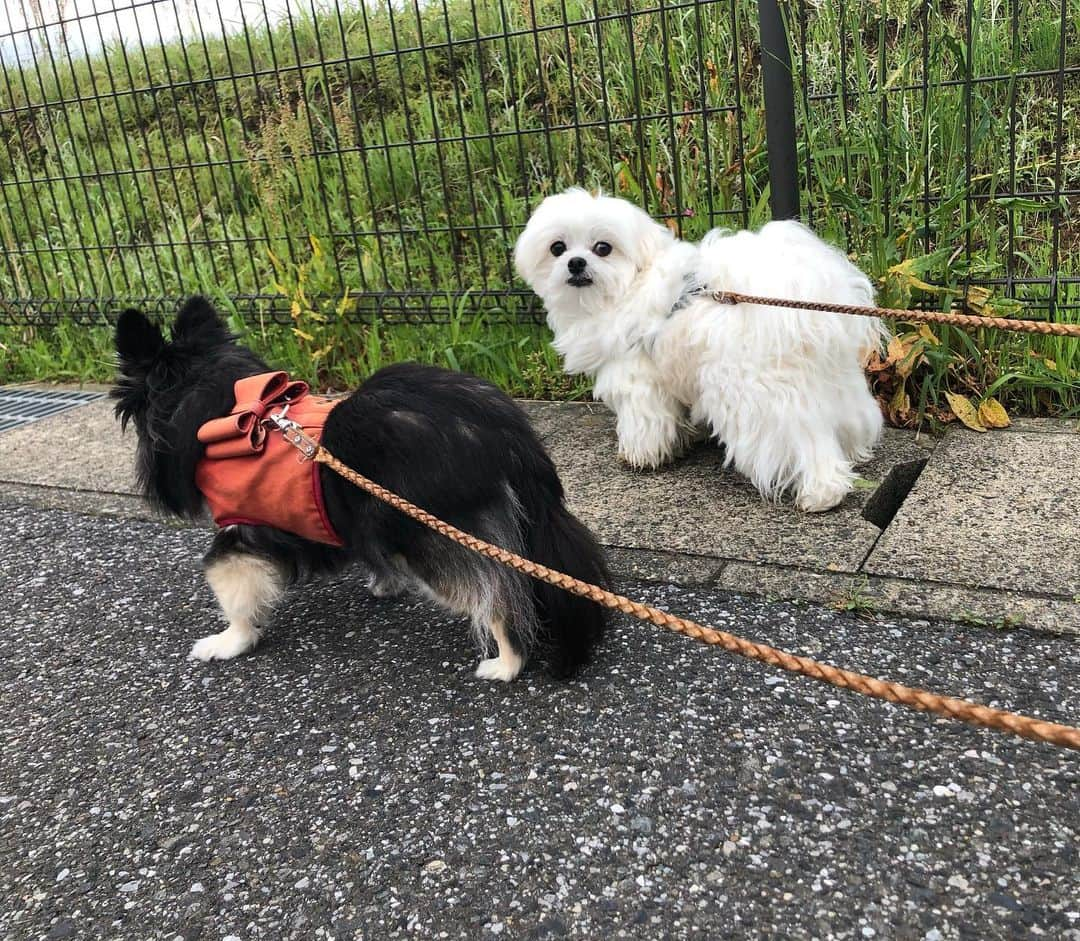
{"points": [[451, 443]]}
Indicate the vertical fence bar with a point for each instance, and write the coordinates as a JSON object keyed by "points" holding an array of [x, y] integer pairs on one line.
{"points": [[99, 95], [440, 156], [463, 132], [541, 90], [883, 94], [841, 33], [740, 146], [804, 83], [1014, 49], [411, 137], [314, 135], [639, 130], [112, 85], [500, 207], [703, 100], [174, 84], [606, 105], [969, 50], [926, 130], [676, 176], [247, 145], [1059, 148], [579, 156], [358, 144], [230, 168], [384, 138], [779, 112]]}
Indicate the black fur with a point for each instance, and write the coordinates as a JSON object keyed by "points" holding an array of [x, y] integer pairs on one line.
{"points": [[449, 442]]}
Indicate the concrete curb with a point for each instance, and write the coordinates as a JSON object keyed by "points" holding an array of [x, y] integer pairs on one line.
{"points": [[985, 534]]}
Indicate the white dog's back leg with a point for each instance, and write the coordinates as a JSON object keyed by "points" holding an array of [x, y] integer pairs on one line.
{"points": [[860, 428], [247, 588], [826, 477], [778, 440]]}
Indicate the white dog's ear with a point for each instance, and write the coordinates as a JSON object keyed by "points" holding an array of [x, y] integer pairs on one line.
{"points": [[653, 239], [525, 261], [531, 247]]}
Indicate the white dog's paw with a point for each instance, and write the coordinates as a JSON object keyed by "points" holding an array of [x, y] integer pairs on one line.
{"points": [[224, 646], [822, 495], [647, 444], [498, 669], [638, 461], [647, 452]]}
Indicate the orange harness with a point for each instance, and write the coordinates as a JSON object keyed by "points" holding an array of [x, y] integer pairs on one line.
{"points": [[251, 477]]}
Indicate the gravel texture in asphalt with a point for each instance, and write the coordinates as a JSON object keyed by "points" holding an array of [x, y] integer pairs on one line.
{"points": [[351, 779]]}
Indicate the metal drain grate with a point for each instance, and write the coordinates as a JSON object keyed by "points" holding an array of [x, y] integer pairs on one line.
{"points": [[20, 406]]}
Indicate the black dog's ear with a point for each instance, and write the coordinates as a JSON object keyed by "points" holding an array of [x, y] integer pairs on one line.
{"points": [[137, 339], [198, 322]]}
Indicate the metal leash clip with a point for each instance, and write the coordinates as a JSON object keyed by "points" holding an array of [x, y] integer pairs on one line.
{"points": [[294, 434]]}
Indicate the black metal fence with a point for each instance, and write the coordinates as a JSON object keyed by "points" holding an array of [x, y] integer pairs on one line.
{"points": [[380, 158]]}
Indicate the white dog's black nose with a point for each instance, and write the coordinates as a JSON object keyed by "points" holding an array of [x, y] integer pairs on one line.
{"points": [[576, 265]]}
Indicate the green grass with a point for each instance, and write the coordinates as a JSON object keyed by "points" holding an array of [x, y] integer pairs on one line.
{"points": [[261, 203], [515, 357]]}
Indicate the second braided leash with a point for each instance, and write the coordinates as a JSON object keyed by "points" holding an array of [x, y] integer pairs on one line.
{"points": [[967, 321]]}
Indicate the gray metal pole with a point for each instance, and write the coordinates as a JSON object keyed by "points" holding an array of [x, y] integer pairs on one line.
{"points": [[779, 112]]}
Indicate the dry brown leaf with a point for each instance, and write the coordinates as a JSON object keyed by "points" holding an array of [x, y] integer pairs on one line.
{"points": [[875, 363], [928, 335], [900, 405], [914, 355], [905, 273], [897, 350], [943, 415], [965, 411], [976, 299], [992, 414]]}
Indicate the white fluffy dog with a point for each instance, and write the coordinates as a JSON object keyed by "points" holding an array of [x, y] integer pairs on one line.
{"points": [[783, 390]]}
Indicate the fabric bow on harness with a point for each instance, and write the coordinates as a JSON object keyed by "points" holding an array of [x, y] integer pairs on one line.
{"points": [[242, 431]]}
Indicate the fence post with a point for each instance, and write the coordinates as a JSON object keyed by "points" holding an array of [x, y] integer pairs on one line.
{"points": [[779, 112]]}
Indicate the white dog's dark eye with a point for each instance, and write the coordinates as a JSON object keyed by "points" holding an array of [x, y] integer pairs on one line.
{"points": [[557, 248], [601, 249]]}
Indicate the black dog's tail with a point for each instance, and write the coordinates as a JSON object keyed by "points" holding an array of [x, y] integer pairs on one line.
{"points": [[569, 626]]}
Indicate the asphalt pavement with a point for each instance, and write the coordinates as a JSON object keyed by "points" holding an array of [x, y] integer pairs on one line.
{"points": [[351, 779]]}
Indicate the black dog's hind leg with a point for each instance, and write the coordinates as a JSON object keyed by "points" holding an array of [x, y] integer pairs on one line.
{"points": [[248, 585], [386, 577]]}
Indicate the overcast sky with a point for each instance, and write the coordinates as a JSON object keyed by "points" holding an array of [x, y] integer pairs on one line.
{"points": [[90, 24]]}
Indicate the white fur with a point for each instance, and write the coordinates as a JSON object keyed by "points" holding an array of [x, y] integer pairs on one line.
{"points": [[783, 390], [247, 589], [507, 664]]}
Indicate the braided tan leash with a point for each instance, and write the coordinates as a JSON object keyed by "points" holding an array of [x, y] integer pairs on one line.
{"points": [[930, 316], [924, 701]]}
